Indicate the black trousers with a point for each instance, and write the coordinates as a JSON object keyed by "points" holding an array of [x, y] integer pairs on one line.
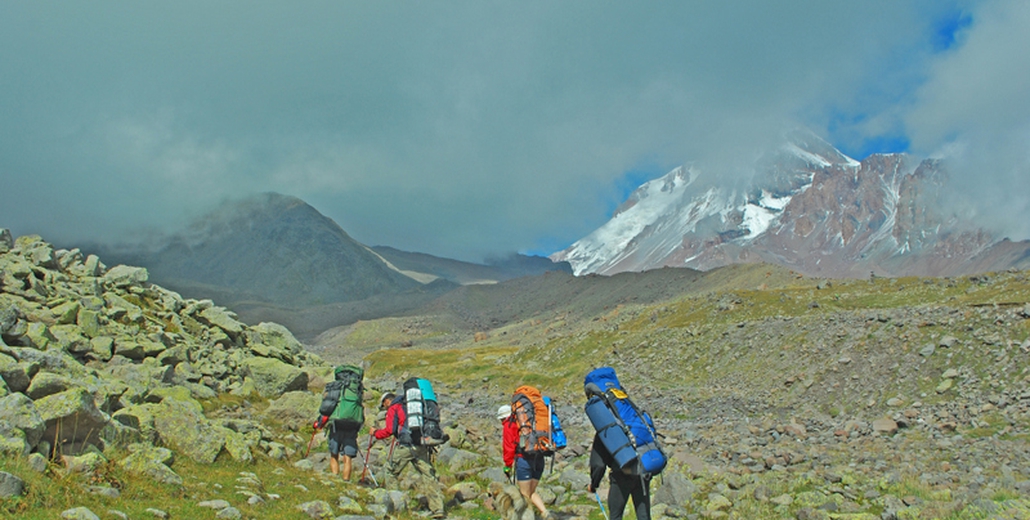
{"points": [[625, 487]]}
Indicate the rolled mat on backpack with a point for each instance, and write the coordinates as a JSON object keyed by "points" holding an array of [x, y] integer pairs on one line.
{"points": [[625, 431]]}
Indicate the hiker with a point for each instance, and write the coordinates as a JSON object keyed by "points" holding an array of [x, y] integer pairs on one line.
{"points": [[344, 412], [625, 445], [622, 486], [528, 468], [408, 450]]}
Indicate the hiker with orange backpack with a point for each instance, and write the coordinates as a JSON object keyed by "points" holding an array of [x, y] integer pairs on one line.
{"points": [[526, 442]]}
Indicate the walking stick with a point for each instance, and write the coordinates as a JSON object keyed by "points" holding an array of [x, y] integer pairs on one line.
{"points": [[310, 442], [603, 512], [367, 453], [368, 468]]}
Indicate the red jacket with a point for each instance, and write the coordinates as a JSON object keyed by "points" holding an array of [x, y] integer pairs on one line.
{"points": [[510, 441], [395, 417]]}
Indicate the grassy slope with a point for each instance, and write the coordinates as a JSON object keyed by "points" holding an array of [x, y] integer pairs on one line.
{"points": [[752, 334]]}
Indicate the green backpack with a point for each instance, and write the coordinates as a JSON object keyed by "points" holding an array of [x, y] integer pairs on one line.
{"points": [[342, 399]]}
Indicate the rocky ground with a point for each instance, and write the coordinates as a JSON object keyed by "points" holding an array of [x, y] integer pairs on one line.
{"points": [[850, 399]]}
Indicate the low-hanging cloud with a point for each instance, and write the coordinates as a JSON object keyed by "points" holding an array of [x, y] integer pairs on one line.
{"points": [[464, 130], [973, 110]]}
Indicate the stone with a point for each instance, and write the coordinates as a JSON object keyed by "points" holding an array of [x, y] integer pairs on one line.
{"points": [[223, 319], [126, 276], [48, 383], [273, 378], [19, 412], [72, 419], [945, 386], [153, 462], [927, 350], [885, 425], [947, 342], [317, 510], [11, 485], [79, 513], [294, 407], [675, 489], [6, 240], [182, 427], [950, 373]]}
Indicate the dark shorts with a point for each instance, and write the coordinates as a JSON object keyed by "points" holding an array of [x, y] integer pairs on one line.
{"points": [[345, 439], [531, 468]]}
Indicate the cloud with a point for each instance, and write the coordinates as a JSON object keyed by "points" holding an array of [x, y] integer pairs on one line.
{"points": [[466, 129], [973, 110]]}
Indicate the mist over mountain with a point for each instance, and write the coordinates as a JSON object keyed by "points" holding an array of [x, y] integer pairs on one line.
{"points": [[273, 257], [805, 206], [271, 248]]}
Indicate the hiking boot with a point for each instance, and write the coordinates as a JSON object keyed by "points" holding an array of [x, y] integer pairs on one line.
{"points": [[439, 514]]}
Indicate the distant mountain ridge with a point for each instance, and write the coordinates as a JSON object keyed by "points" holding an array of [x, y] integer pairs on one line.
{"points": [[273, 248], [273, 257], [807, 207]]}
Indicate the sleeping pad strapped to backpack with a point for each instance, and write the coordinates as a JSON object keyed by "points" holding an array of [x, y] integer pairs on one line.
{"points": [[341, 401], [626, 431], [422, 423]]}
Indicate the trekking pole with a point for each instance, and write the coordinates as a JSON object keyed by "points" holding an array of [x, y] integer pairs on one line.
{"points": [[368, 468], [314, 432], [392, 444], [367, 453], [603, 512]]}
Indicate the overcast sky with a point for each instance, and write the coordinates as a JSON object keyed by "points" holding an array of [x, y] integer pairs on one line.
{"points": [[469, 129]]}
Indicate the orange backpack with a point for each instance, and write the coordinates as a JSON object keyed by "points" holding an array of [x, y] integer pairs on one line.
{"points": [[533, 417]]}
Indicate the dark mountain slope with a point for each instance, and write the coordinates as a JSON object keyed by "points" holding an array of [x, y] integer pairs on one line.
{"points": [[271, 248]]}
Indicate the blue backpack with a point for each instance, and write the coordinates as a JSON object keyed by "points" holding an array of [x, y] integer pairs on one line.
{"points": [[627, 432], [557, 433]]}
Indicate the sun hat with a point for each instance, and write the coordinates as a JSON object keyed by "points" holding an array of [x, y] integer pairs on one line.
{"points": [[503, 412]]}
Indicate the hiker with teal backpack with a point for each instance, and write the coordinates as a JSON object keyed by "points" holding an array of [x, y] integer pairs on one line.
{"points": [[625, 445], [344, 413], [413, 420]]}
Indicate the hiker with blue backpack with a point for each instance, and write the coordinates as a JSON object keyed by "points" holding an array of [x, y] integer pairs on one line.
{"points": [[344, 413], [625, 445]]}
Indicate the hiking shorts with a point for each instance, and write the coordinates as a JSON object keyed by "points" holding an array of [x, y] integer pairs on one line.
{"points": [[345, 440], [531, 468]]}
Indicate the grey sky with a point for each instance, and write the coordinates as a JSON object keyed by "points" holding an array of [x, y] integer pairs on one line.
{"points": [[466, 129]]}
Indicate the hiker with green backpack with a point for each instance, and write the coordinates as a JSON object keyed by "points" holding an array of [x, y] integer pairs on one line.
{"points": [[342, 410]]}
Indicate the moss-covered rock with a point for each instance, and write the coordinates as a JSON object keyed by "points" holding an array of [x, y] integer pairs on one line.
{"points": [[273, 378]]}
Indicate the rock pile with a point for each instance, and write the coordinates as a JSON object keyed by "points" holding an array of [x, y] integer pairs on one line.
{"points": [[94, 358]]}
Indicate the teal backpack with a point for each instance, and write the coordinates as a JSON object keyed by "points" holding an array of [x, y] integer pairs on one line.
{"points": [[342, 399]]}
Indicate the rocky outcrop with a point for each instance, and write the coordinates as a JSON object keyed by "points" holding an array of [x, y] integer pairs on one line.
{"points": [[94, 358]]}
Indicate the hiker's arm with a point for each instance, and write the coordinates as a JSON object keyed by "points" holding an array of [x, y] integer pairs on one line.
{"points": [[387, 429]]}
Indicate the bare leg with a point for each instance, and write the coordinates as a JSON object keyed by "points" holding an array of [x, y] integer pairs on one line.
{"points": [[347, 465], [334, 464], [528, 490]]}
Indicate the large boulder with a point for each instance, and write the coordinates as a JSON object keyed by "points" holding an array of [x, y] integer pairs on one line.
{"points": [[153, 462], [126, 276], [181, 426], [72, 419], [273, 378], [20, 412], [223, 319], [48, 383], [294, 407], [17, 375]]}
